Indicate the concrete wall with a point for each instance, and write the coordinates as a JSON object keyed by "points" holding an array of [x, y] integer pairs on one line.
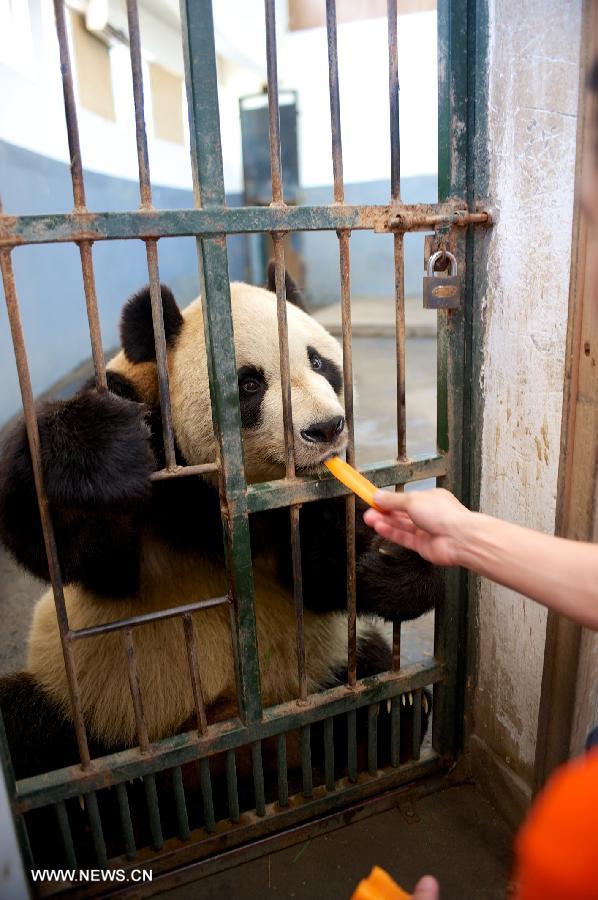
{"points": [[532, 106]]}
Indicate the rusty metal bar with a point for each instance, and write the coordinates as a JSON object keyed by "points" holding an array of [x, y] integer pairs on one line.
{"points": [[145, 191], [184, 471], [349, 416], [206, 794], [289, 441], [70, 782], [345, 279], [352, 745], [145, 188], [417, 722], [217, 219], [180, 803], [153, 811], [161, 360], [64, 826], [306, 769], [393, 90], [372, 738], [97, 833], [16, 328], [76, 166], [273, 108], [143, 619], [70, 107], [395, 732], [234, 813], [126, 822], [335, 108], [283, 349], [281, 759], [200, 709], [142, 735], [329, 753]]}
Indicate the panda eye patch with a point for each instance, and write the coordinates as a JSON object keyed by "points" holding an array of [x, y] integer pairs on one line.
{"points": [[252, 387], [326, 368], [316, 361]]}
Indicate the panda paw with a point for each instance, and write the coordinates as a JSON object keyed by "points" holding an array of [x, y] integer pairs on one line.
{"points": [[97, 462]]}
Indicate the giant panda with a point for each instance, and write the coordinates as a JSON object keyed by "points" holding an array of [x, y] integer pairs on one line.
{"points": [[129, 545]]}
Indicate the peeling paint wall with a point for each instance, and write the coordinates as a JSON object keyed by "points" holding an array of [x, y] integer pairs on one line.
{"points": [[533, 88]]}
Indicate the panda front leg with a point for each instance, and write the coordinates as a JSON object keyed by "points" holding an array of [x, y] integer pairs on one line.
{"points": [[97, 461], [391, 582]]}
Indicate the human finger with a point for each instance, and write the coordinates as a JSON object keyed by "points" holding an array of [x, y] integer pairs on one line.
{"points": [[427, 888]]}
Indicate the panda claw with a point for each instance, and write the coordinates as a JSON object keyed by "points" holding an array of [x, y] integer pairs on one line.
{"points": [[82, 802], [410, 699], [403, 701], [388, 706], [425, 704]]}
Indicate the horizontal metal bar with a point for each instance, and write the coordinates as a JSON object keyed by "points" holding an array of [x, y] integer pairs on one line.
{"points": [[286, 491], [154, 223], [77, 633], [184, 471], [60, 784]]}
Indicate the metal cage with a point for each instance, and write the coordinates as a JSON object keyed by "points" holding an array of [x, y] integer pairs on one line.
{"points": [[210, 222]]}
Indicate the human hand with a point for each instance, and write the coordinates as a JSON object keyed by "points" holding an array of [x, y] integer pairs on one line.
{"points": [[426, 889], [428, 522]]}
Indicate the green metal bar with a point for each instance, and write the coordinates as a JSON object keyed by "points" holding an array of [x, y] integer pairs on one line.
{"points": [[153, 811], [180, 802], [455, 31], [97, 834], [208, 181], [125, 821], [231, 786], [281, 758], [306, 769], [352, 745], [206, 793], [60, 784], [64, 827], [219, 219], [372, 738], [258, 778], [329, 753], [395, 732], [283, 492], [417, 723]]}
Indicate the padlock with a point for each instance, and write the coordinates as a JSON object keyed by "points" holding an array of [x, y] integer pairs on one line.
{"points": [[442, 291]]}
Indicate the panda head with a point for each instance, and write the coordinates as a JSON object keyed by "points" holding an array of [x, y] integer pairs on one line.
{"points": [[315, 361]]}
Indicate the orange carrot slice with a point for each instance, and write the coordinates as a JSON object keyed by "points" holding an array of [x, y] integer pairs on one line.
{"points": [[352, 479], [379, 886]]}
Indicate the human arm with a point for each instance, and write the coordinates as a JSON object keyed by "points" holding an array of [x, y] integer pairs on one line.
{"points": [[559, 573]]}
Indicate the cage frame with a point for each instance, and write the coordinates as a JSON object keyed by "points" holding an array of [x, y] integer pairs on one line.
{"points": [[210, 222]]}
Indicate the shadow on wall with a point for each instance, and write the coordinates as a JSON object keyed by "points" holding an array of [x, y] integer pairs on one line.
{"points": [[48, 277]]}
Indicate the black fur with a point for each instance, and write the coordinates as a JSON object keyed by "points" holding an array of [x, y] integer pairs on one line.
{"points": [[293, 294], [136, 324], [327, 369], [396, 584], [39, 735], [96, 462], [251, 402]]}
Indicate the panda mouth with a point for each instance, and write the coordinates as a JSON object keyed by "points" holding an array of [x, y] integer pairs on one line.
{"points": [[318, 467]]}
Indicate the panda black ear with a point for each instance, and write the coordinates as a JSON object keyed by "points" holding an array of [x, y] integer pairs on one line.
{"points": [[136, 327], [294, 295]]}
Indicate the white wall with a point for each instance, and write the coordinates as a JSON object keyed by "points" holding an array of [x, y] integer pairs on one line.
{"points": [[363, 78], [533, 70]]}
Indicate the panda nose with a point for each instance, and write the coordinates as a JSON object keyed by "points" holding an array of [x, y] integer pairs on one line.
{"points": [[324, 432]]}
